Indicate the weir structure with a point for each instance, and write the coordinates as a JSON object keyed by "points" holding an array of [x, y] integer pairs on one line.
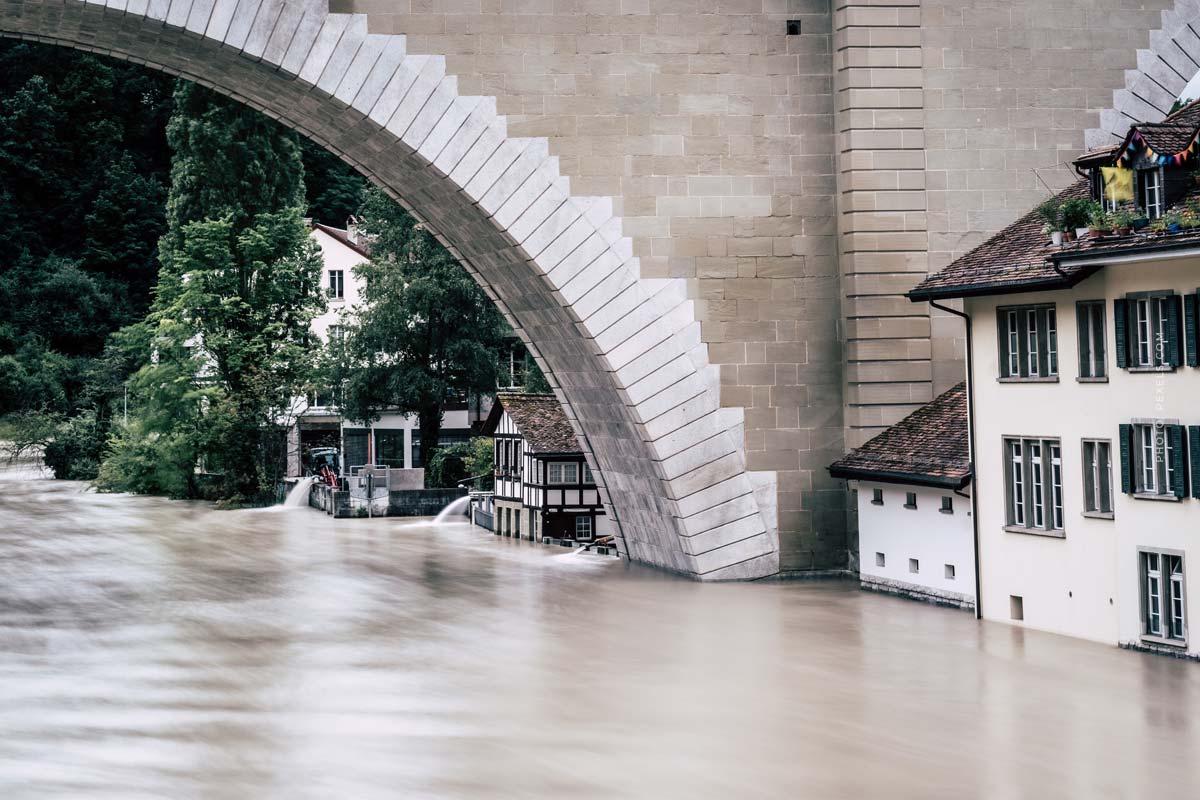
{"points": [[700, 215]]}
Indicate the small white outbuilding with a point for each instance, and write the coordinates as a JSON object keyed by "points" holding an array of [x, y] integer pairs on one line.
{"points": [[915, 533]]}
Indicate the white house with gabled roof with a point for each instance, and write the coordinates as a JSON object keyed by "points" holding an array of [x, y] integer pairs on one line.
{"points": [[1084, 377]]}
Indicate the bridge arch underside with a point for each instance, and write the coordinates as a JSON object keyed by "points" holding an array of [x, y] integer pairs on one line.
{"points": [[623, 353]]}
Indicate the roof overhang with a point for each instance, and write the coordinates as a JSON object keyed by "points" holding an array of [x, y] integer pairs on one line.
{"points": [[908, 478], [1154, 251], [986, 289]]}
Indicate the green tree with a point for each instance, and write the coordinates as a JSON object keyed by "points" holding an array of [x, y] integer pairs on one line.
{"points": [[334, 190], [426, 333], [83, 170], [229, 328], [462, 460]]}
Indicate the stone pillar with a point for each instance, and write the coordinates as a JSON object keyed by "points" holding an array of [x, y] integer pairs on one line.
{"points": [[882, 232]]}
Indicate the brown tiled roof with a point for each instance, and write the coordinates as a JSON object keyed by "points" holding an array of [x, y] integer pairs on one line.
{"points": [[539, 418], [926, 448], [1098, 155], [1168, 137], [360, 247], [1015, 259]]}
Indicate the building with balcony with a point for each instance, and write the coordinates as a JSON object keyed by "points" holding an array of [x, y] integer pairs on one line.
{"points": [[1082, 370]]}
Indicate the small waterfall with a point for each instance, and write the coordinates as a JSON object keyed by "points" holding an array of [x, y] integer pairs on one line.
{"points": [[298, 496], [456, 509]]}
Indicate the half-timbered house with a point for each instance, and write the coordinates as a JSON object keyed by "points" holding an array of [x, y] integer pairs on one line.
{"points": [[544, 487]]}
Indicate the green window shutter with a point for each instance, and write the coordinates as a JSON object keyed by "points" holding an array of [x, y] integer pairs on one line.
{"points": [[1002, 340], [1081, 334], [1172, 349], [1194, 458], [1126, 434], [1179, 478], [1120, 326], [1189, 329]]}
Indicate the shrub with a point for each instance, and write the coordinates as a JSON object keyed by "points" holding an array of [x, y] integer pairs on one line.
{"points": [[1077, 212]]}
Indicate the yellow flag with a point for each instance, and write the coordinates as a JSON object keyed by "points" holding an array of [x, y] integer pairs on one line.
{"points": [[1118, 183]]}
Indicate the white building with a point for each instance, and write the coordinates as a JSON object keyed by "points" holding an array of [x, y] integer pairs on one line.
{"points": [[915, 536], [544, 486], [1087, 427], [394, 440]]}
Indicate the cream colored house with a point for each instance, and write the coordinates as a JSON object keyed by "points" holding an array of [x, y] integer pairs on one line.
{"points": [[1083, 375]]}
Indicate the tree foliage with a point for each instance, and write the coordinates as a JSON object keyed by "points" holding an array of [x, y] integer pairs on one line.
{"points": [[426, 333], [83, 163], [462, 460], [333, 189], [228, 333]]}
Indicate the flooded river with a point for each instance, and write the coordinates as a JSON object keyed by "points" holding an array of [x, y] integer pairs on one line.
{"points": [[151, 649]]}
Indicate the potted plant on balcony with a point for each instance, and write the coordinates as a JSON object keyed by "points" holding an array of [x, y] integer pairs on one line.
{"points": [[1140, 219], [1099, 224], [1167, 223], [1121, 221], [1051, 214], [1077, 215]]}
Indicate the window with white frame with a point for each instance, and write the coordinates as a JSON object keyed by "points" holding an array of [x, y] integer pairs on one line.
{"points": [[560, 472], [337, 284], [1097, 476], [587, 474], [1163, 609], [583, 528], [1150, 320], [1033, 482], [1151, 186], [1156, 463], [1028, 338], [1089, 318]]}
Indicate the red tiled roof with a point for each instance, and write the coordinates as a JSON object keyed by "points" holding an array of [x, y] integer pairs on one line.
{"points": [[539, 418], [926, 448]]}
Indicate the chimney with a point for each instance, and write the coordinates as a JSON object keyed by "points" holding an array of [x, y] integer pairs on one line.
{"points": [[352, 229]]}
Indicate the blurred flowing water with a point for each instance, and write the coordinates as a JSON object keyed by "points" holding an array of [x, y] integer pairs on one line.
{"points": [[156, 649]]}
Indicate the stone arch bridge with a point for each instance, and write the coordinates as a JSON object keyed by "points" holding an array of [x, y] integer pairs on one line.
{"points": [[701, 215]]}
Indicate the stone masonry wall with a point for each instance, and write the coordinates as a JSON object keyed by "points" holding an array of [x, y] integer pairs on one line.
{"points": [[713, 131]]}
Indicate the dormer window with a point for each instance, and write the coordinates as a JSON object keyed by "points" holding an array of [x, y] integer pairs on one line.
{"points": [[1150, 191]]}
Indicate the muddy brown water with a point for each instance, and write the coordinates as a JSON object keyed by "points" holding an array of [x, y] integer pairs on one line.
{"points": [[155, 649]]}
